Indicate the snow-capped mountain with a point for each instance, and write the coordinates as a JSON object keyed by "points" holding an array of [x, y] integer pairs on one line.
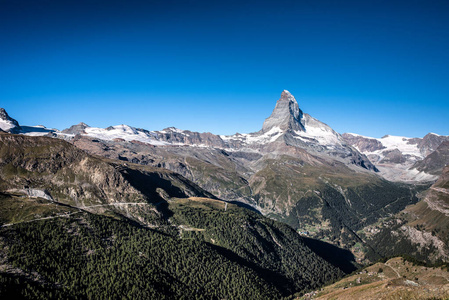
{"points": [[288, 119], [287, 130], [7, 123], [396, 156]]}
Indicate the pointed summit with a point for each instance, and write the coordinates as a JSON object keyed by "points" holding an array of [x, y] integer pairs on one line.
{"points": [[7, 123], [286, 115]]}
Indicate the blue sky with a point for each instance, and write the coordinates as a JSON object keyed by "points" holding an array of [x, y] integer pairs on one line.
{"points": [[369, 67]]}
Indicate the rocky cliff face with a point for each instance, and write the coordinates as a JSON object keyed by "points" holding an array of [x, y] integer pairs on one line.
{"points": [[285, 116], [435, 162]]}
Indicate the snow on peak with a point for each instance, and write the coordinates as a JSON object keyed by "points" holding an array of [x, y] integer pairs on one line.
{"points": [[7, 123], [286, 93], [319, 131]]}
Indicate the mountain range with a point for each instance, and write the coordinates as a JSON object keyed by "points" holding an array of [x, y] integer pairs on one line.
{"points": [[363, 197]]}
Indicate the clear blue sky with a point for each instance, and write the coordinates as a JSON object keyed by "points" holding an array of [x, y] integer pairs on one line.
{"points": [[370, 67]]}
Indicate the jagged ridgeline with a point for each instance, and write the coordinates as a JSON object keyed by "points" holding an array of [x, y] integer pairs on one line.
{"points": [[78, 226], [295, 169]]}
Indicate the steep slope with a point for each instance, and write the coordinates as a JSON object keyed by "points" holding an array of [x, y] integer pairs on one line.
{"points": [[116, 225], [435, 161], [7, 123], [421, 230], [288, 127]]}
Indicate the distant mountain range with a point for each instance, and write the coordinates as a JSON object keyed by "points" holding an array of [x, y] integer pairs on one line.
{"points": [[396, 158], [296, 169]]}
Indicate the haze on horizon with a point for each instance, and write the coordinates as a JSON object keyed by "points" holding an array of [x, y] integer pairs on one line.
{"points": [[370, 68]]}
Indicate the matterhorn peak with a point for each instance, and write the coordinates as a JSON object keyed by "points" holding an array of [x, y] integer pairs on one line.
{"points": [[286, 115], [286, 93]]}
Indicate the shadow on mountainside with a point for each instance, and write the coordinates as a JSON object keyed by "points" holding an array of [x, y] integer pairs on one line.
{"points": [[149, 183], [339, 257]]}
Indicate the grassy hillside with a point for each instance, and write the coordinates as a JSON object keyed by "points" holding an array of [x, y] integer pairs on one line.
{"points": [[394, 279]]}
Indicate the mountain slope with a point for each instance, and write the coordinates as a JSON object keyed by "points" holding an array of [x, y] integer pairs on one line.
{"points": [[420, 230], [435, 161], [116, 225], [395, 278]]}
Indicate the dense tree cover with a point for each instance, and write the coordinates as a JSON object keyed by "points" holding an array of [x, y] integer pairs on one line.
{"points": [[98, 257], [349, 210], [271, 245]]}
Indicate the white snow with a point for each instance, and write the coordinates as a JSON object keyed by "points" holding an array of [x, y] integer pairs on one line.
{"points": [[125, 132], [6, 125], [319, 131], [251, 138], [172, 129], [401, 143], [323, 136], [392, 142], [38, 130]]}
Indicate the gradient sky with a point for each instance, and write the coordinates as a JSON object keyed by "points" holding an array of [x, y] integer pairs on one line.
{"points": [[369, 67]]}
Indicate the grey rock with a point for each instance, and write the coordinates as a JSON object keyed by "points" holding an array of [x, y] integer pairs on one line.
{"points": [[286, 115], [76, 129]]}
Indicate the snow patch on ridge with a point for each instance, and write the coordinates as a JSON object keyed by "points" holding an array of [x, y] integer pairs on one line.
{"points": [[252, 138], [124, 132], [6, 125], [391, 142]]}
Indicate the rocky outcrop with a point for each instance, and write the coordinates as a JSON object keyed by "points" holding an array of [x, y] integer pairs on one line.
{"points": [[363, 144], [76, 129], [430, 142], [435, 161]]}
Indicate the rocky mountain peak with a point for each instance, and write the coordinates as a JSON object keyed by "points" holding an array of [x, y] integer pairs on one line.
{"points": [[76, 129], [7, 123], [286, 115], [5, 117]]}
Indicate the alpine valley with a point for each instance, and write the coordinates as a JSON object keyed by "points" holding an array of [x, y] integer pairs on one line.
{"points": [[124, 212]]}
